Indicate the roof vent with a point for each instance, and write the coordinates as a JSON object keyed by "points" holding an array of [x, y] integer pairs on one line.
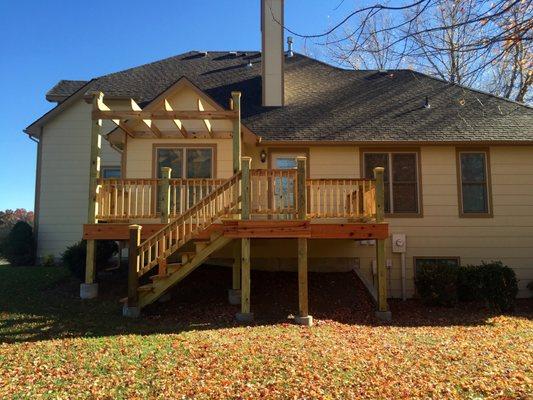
{"points": [[233, 53], [203, 53], [289, 53], [426, 103], [249, 65]]}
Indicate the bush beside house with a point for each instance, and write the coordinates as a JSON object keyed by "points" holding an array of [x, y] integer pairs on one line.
{"points": [[18, 247], [74, 256], [493, 283]]}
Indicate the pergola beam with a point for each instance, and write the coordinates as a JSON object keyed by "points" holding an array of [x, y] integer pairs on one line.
{"points": [[164, 115], [207, 123]]}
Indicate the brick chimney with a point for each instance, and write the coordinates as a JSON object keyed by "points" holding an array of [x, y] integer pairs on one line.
{"points": [[272, 57]]}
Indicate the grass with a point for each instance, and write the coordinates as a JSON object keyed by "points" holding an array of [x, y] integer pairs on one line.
{"points": [[53, 345]]}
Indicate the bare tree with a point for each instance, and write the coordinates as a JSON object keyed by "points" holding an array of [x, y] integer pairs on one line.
{"points": [[461, 41], [369, 48], [512, 74]]}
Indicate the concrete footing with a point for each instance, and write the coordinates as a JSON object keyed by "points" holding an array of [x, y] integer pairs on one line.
{"points": [[234, 296], [89, 290], [305, 321], [244, 317], [384, 315], [131, 312], [165, 297]]}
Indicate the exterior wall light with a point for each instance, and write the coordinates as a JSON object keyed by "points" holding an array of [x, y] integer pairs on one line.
{"points": [[263, 156]]}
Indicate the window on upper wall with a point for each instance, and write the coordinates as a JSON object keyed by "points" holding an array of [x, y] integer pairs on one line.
{"points": [[474, 183], [402, 191], [111, 172], [186, 162]]}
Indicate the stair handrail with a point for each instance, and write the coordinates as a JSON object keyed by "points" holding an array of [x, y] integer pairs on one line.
{"points": [[197, 218]]}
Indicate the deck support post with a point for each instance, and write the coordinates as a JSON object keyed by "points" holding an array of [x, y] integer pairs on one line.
{"points": [[164, 195], [89, 289], [303, 317], [245, 315], [131, 308], [382, 311], [234, 294]]}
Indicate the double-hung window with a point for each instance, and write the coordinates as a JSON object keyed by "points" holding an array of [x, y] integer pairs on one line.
{"points": [[401, 177], [474, 183], [186, 163]]}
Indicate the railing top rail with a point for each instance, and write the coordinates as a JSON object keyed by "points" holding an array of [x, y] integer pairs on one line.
{"points": [[355, 180]]}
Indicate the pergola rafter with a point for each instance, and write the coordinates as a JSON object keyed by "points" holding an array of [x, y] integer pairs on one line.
{"points": [[129, 119]]}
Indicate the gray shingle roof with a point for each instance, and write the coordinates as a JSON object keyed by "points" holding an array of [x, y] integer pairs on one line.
{"points": [[325, 103], [64, 89]]}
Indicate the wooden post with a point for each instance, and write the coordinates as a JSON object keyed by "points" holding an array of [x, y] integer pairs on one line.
{"points": [[245, 315], [380, 243], [237, 142], [94, 174], [236, 281], [245, 188], [133, 262], [164, 195], [245, 280], [302, 278], [303, 291], [301, 187]]}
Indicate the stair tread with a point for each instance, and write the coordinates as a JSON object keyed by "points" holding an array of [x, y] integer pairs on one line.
{"points": [[146, 288]]}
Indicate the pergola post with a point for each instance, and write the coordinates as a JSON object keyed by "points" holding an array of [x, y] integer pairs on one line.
{"points": [[237, 142], [164, 195], [382, 311], [89, 289], [234, 294], [245, 315], [303, 317]]}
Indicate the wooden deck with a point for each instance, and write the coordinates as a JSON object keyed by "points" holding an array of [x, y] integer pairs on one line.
{"points": [[280, 229]]}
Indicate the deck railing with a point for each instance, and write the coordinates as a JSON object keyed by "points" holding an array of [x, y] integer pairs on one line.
{"points": [[123, 199], [273, 194]]}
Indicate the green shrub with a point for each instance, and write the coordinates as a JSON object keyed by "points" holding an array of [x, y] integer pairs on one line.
{"points": [[468, 283], [18, 248], [437, 285], [498, 285], [48, 261], [74, 256]]}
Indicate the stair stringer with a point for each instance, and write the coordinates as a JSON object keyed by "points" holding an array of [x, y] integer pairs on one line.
{"points": [[162, 285]]}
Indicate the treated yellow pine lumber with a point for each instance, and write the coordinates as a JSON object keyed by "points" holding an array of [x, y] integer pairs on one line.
{"points": [[245, 277], [302, 278], [237, 142], [236, 278], [301, 187], [164, 195], [133, 265]]}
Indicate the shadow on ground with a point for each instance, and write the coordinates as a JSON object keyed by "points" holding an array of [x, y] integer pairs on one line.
{"points": [[37, 305]]}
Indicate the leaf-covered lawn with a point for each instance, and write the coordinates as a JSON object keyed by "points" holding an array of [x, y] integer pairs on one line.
{"points": [[54, 345]]}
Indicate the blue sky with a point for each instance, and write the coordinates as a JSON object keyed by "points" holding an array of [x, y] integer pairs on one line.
{"points": [[45, 41]]}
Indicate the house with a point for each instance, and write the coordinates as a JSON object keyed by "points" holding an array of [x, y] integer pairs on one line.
{"points": [[275, 160]]}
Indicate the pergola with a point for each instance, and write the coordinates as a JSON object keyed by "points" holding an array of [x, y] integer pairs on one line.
{"points": [[157, 120]]}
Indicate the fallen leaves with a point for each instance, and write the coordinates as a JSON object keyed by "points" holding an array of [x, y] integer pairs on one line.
{"points": [[447, 353]]}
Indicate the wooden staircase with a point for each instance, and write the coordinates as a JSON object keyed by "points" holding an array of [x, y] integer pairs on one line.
{"points": [[175, 239]]}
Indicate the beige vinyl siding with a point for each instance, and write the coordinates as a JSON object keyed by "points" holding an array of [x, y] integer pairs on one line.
{"points": [[65, 178], [508, 236]]}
